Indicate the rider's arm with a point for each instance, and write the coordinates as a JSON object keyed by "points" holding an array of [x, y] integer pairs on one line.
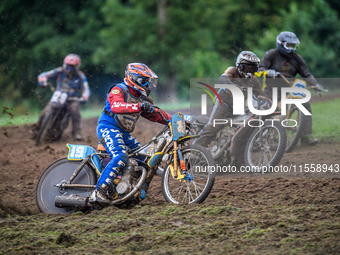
{"points": [[85, 87], [116, 99], [304, 71], [227, 75], [45, 77], [155, 116]]}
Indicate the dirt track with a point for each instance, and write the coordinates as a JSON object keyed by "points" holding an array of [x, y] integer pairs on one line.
{"points": [[241, 215], [22, 163]]}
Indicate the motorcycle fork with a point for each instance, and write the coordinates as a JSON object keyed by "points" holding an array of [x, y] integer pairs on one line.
{"points": [[176, 171], [65, 119]]}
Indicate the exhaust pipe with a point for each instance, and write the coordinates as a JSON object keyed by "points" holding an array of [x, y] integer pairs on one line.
{"points": [[78, 202], [72, 201]]}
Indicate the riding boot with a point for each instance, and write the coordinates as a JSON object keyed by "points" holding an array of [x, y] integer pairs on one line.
{"points": [[307, 138], [100, 195]]}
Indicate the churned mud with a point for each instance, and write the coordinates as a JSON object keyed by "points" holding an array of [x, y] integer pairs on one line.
{"points": [[262, 215]]}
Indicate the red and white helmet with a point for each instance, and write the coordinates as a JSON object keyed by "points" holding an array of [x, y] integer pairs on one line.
{"points": [[141, 78], [72, 60]]}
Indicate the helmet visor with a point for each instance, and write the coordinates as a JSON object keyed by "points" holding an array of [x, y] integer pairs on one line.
{"points": [[249, 68], [290, 46], [147, 82], [70, 68]]}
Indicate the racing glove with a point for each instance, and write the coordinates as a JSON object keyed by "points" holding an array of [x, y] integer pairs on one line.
{"points": [[146, 106], [271, 73], [319, 87], [42, 81]]}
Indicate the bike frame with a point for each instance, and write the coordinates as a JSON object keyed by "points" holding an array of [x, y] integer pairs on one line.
{"points": [[292, 141], [90, 156], [230, 143]]}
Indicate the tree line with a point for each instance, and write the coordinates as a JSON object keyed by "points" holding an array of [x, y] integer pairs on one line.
{"points": [[178, 39]]}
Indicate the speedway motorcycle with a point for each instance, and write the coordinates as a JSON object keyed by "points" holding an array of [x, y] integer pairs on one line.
{"points": [[297, 119], [260, 141], [55, 121], [65, 186]]}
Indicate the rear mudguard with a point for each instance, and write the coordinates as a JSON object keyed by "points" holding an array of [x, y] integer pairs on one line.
{"points": [[80, 152]]}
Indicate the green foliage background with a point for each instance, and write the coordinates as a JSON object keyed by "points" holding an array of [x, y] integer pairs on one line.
{"points": [[178, 39]]}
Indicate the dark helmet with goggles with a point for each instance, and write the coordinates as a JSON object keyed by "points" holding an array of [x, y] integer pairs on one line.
{"points": [[247, 63]]}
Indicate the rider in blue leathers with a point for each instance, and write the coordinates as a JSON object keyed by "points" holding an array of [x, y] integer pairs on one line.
{"points": [[125, 103]]}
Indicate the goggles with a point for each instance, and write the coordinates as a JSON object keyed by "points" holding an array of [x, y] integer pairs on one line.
{"points": [[248, 68], [69, 67], [147, 82], [290, 46]]}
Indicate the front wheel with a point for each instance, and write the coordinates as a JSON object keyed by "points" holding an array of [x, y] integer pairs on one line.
{"points": [[58, 173], [265, 146], [200, 177], [44, 128]]}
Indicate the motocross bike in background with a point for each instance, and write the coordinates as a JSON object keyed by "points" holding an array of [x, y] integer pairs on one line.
{"points": [[260, 141], [65, 186], [56, 119], [296, 118]]}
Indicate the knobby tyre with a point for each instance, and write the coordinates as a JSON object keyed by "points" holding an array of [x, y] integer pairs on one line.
{"points": [[42, 133], [294, 133], [60, 172], [266, 145], [198, 163]]}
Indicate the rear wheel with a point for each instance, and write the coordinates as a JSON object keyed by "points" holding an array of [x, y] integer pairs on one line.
{"points": [[200, 180], [295, 120], [57, 173]]}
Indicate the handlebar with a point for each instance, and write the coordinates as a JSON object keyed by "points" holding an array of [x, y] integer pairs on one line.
{"points": [[318, 89], [281, 75], [159, 111], [73, 99]]}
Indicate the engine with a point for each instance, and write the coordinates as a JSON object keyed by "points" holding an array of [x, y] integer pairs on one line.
{"points": [[129, 177]]}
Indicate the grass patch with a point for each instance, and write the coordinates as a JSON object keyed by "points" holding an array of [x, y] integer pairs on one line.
{"points": [[257, 232], [156, 230], [326, 120], [9, 118]]}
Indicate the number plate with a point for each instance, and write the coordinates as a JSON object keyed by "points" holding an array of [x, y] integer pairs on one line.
{"points": [[79, 152], [59, 97], [298, 83], [178, 126]]}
